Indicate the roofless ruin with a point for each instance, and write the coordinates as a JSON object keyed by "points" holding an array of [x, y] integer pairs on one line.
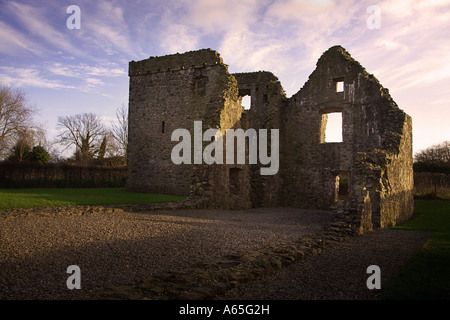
{"points": [[374, 158]]}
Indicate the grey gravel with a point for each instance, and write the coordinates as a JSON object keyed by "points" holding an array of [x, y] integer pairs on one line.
{"points": [[339, 273], [120, 248]]}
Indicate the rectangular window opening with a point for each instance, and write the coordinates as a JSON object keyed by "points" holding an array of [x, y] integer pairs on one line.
{"points": [[163, 129], [339, 84], [247, 102], [342, 186], [331, 127]]}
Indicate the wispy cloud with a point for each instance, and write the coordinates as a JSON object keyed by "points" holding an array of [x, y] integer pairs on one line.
{"points": [[107, 70], [178, 38], [29, 77], [176, 32], [37, 23], [106, 29], [94, 82], [317, 25], [82, 77], [13, 42], [411, 50], [221, 16]]}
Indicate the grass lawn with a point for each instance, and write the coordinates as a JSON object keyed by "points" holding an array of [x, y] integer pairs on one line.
{"points": [[28, 198], [427, 274]]}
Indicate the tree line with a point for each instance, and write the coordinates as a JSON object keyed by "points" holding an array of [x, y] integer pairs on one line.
{"points": [[433, 159], [23, 139]]}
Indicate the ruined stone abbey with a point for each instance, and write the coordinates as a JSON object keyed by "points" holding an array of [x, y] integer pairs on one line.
{"points": [[374, 157]]}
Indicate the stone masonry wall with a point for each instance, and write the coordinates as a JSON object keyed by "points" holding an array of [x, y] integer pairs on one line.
{"points": [[171, 92], [380, 192], [375, 155], [267, 97]]}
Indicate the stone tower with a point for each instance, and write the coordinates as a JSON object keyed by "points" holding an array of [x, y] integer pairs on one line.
{"points": [[172, 92]]}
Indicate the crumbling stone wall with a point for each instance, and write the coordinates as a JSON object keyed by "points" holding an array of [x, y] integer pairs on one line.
{"points": [[375, 155], [267, 97], [376, 150], [388, 177], [171, 92]]}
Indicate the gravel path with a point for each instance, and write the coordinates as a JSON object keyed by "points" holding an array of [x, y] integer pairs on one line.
{"points": [[119, 248], [338, 273]]}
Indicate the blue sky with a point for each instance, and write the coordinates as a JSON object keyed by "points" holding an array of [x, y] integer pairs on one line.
{"points": [[69, 71]]}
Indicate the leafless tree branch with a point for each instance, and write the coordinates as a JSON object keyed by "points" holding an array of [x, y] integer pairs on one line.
{"points": [[82, 131], [16, 116], [119, 130]]}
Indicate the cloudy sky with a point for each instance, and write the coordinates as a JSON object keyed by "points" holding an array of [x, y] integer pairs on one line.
{"points": [[67, 71]]}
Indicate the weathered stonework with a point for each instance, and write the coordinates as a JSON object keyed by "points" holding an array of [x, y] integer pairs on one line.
{"points": [[375, 155], [170, 93], [376, 152]]}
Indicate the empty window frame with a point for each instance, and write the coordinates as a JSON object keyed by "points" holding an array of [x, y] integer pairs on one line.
{"points": [[341, 186], [246, 102], [344, 181], [339, 84], [331, 130]]}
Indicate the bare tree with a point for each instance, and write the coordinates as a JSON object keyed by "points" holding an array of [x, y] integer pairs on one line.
{"points": [[438, 154], [16, 116], [120, 130], [84, 131]]}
